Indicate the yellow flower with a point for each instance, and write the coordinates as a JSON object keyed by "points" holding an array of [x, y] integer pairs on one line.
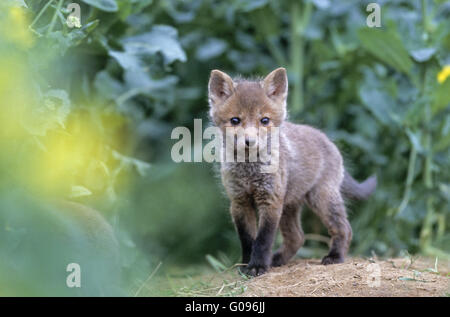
{"points": [[443, 74], [15, 28]]}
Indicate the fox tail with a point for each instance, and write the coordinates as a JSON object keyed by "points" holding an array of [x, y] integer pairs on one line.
{"points": [[350, 188]]}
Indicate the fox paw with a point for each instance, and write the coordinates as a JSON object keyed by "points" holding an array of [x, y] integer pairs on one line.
{"points": [[254, 269], [277, 259], [332, 259]]}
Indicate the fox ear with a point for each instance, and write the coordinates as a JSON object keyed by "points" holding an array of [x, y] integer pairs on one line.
{"points": [[220, 87], [276, 85]]}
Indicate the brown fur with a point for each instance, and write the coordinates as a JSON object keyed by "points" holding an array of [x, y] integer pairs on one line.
{"points": [[310, 172]]}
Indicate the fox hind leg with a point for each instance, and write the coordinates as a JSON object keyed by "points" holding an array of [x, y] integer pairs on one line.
{"points": [[329, 206]]}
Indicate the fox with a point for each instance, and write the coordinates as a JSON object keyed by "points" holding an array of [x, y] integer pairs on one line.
{"points": [[310, 172]]}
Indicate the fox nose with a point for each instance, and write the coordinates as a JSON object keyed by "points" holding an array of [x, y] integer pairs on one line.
{"points": [[249, 142]]}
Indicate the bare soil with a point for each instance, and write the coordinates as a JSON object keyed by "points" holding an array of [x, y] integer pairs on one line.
{"points": [[355, 277]]}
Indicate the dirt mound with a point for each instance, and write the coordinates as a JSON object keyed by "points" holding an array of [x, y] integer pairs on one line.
{"points": [[355, 277]]}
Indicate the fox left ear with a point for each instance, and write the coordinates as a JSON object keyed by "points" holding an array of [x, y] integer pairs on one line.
{"points": [[276, 85]]}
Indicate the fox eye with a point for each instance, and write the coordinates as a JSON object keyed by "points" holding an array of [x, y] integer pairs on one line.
{"points": [[235, 121], [265, 121]]}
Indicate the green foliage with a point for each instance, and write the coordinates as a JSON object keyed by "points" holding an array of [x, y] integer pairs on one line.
{"points": [[388, 47], [38, 241], [116, 86]]}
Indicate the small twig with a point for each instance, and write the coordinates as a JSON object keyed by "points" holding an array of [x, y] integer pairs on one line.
{"points": [[148, 279], [315, 289], [220, 290]]}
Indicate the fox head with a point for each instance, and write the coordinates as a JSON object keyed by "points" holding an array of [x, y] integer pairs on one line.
{"points": [[248, 105]]}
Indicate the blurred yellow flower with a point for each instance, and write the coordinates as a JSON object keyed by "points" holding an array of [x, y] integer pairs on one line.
{"points": [[443, 74], [56, 149], [14, 28], [78, 154], [15, 97]]}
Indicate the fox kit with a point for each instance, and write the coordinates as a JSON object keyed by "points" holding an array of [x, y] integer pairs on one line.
{"points": [[310, 171]]}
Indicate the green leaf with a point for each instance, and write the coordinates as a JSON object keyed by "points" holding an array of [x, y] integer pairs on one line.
{"points": [[377, 101], [64, 107], [141, 80], [105, 5], [387, 46], [322, 4], [162, 39], [108, 86], [414, 138], [141, 166], [423, 54], [216, 264], [415, 112], [51, 112], [90, 26], [250, 5], [445, 190], [442, 144], [441, 97], [212, 48], [126, 60]]}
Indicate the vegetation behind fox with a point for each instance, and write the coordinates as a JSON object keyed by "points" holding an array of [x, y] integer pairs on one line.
{"points": [[310, 172]]}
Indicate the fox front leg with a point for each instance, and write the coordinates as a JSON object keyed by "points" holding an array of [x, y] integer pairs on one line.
{"points": [[261, 255], [244, 218]]}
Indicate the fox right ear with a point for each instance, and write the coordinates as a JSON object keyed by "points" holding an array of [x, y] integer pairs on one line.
{"points": [[220, 87]]}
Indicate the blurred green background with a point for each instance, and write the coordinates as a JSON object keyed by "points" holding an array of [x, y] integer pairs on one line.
{"points": [[87, 113]]}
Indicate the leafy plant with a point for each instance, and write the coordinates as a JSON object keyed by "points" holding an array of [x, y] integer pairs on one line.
{"points": [[86, 109]]}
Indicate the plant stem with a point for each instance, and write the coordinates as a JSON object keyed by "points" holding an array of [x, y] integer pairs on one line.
{"points": [[409, 179], [297, 56], [55, 15], [425, 233], [38, 16], [260, 19], [426, 230], [424, 16], [275, 51]]}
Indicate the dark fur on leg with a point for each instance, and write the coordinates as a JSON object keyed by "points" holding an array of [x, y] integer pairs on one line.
{"points": [[261, 252], [244, 219], [335, 255], [246, 240]]}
